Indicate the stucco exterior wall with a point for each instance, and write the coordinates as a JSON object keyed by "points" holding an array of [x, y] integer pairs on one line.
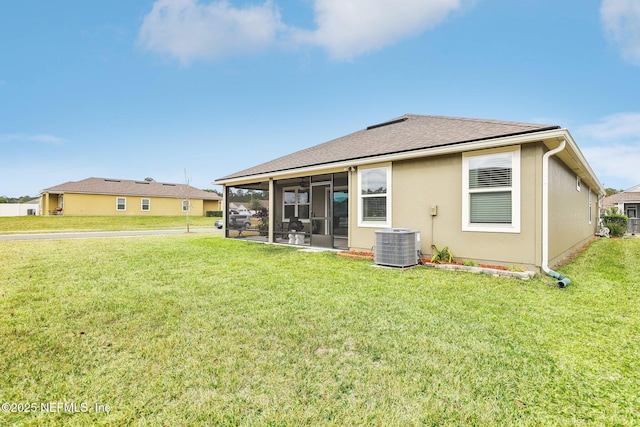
{"points": [[19, 209], [95, 204], [211, 205], [570, 222], [437, 181]]}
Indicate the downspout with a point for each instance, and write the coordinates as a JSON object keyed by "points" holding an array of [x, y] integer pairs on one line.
{"points": [[563, 281]]}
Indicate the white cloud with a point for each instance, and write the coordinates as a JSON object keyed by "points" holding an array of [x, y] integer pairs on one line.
{"points": [[621, 20], [40, 138], [615, 165], [615, 127], [191, 29], [614, 151], [350, 28], [188, 30]]}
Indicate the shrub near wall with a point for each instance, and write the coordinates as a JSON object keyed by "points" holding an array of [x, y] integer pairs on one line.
{"points": [[213, 214], [615, 222]]}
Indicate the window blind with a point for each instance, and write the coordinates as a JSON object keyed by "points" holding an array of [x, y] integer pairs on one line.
{"points": [[490, 208]]}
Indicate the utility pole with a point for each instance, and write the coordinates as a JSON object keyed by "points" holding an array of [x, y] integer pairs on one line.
{"points": [[186, 191]]}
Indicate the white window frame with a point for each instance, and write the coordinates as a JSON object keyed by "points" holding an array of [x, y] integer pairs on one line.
{"points": [[148, 205], [578, 183], [514, 226], [186, 205], [296, 203], [590, 208], [118, 204], [374, 224]]}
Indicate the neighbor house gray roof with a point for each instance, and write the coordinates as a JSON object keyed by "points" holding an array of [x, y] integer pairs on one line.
{"points": [[631, 195], [403, 134], [124, 187]]}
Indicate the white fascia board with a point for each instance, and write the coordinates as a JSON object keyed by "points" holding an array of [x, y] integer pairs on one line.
{"points": [[580, 164]]}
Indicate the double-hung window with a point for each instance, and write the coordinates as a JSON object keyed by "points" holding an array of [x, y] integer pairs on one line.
{"points": [[491, 191], [296, 204], [374, 197], [145, 205], [185, 206], [121, 204]]}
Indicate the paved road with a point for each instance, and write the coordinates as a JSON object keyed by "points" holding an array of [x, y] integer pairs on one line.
{"points": [[92, 234]]}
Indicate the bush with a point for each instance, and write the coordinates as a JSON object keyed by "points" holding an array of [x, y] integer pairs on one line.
{"points": [[213, 214], [441, 256], [616, 223]]}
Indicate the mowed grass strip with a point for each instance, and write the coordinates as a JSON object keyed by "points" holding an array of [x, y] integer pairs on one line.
{"points": [[198, 330], [60, 224]]}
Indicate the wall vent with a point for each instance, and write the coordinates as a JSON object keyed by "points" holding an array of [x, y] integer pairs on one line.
{"points": [[397, 247]]}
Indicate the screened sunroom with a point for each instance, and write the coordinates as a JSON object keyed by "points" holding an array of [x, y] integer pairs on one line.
{"points": [[310, 210]]}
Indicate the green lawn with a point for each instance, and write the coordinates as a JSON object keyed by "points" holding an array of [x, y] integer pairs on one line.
{"points": [[198, 330], [58, 224]]}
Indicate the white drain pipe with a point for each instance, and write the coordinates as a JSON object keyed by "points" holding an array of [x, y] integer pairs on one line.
{"points": [[563, 281]]}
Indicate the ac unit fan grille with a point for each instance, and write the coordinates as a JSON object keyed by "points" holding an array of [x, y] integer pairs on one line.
{"points": [[396, 247]]}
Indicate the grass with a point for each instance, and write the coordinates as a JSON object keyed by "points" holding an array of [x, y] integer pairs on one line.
{"points": [[58, 224], [199, 330]]}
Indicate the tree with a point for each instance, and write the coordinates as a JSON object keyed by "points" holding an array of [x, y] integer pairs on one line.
{"points": [[149, 179], [23, 199], [611, 191], [255, 204]]}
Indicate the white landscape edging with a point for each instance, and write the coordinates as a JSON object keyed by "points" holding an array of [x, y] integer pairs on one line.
{"points": [[525, 275]]}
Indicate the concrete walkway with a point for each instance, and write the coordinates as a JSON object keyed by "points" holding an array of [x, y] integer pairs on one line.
{"points": [[98, 234]]}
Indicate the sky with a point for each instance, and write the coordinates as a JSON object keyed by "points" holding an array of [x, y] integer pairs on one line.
{"points": [[193, 90]]}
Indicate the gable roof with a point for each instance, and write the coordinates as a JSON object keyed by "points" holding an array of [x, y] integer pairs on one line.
{"points": [[124, 187], [404, 134], [631, 195]]}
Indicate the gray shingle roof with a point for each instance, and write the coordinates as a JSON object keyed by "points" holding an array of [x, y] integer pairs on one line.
{"points": [[406, 133], [631, 195], [124, 187]]}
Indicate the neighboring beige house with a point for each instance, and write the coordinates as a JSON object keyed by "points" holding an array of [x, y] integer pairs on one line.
{"points": [[492, 191], [102, 196], [628, 203]]}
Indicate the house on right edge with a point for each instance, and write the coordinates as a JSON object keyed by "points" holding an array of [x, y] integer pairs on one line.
{"points": [[495, 192], [628, 203]]}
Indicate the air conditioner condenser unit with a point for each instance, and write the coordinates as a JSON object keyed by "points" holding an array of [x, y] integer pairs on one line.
{"points": [[397, 247]]}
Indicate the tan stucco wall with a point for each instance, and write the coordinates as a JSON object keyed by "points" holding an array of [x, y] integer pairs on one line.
{"points": [[95, 204], [419, 184], [569, 226], [212, 205]]}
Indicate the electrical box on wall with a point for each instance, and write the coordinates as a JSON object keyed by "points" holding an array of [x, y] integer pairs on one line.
{"points": [[433, 210]]}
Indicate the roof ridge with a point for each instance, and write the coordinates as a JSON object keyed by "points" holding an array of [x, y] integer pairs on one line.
{"points": [[479, 120]]}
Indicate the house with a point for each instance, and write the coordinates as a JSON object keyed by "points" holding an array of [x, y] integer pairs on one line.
{"points": [[28, 208], [628, 203], [102, 196], [494, 192]]}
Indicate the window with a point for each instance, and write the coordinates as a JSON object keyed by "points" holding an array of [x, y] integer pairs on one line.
{"points": [[295, 204], [578, 183], [146, 205], [590, 208], [491, 191], [121, 204], [185, 206], [374, 197]]}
